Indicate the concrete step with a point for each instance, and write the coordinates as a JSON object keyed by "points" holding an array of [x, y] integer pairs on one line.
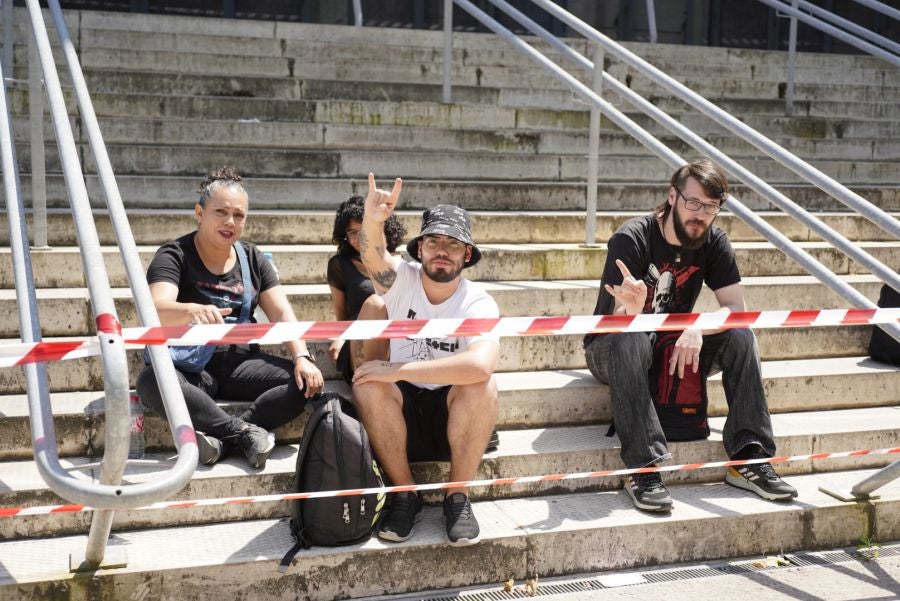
{"points": [[60, 267], [527, 400], [475, 166], [314, 227], [725, 81], [550, 536], [66, 311], [303, 50], [524, 452], [168, 192], [517, 354], [253, 134]]}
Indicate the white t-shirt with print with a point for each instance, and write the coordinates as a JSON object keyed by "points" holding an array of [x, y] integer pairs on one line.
{"points": [[406, 300]]}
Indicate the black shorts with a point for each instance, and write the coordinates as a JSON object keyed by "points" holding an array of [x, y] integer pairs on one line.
{"points": [[425, 412]]}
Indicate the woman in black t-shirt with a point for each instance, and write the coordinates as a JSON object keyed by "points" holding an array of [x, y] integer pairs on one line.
{"points": [[197, 279], [347, 277]]}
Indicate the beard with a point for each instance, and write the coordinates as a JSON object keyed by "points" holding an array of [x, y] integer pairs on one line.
{"points": [[687, 241], [443, 275]]}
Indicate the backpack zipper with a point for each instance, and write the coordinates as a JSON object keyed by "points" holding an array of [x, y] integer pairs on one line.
{"points": [[339, 456]]}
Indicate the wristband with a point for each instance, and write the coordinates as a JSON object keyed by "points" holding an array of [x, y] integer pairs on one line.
{"points": [[305, 356]]}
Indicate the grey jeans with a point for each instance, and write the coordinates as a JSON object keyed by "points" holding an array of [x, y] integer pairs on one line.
{"points": [[623, 361]]}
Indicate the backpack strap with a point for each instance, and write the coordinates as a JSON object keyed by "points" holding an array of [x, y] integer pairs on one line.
{"points": [[289, 556], [245, 276]]}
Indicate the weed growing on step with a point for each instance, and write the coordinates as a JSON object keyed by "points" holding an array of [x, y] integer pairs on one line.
{"points": [[868, 548]]}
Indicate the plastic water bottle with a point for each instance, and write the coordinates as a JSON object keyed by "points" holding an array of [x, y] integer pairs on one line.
{"points": [[136, 442], [259, 315]]}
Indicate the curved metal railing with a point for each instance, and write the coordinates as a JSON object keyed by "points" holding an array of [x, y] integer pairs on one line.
{"points": [[108, 494]]}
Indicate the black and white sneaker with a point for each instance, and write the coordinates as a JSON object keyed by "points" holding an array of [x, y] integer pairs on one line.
{"points": [[211, 449], [257, 444], [462, 527], [648, 492], [761, 479], [402, 514]]}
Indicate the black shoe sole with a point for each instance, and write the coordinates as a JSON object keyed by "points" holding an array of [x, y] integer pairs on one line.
{"points": [[396, 538], [744, 484]]}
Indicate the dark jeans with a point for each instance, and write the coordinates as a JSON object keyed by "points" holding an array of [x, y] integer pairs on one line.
{"points": [[623, 361], [235, 375]]}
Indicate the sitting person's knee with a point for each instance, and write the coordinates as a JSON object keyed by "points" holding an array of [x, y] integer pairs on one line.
{"points": [[483, 393], [373, 308], [630, 344]]}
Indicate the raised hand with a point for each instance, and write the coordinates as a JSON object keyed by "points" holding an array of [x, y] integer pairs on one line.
{"points": [[631, 294], [380, 203]]}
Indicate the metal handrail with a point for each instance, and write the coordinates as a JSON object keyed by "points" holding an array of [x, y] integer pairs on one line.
{"points": [[883, 272], [739, 128], [108, 494], [880, 7], [833, 31], [788, 247], [850, 26], [863, 488]]}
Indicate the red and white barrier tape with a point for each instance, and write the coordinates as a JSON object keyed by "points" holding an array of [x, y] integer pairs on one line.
{"points": [[49, 509], [275, 333]]}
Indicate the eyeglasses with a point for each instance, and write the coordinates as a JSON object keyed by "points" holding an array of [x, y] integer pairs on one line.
{"points": [[450, 245], [692, 204]]}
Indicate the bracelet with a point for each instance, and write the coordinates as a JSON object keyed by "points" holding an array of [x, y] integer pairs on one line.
{"points": [[305, 356]]}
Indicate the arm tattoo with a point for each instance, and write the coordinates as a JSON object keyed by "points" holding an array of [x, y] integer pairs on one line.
{"points": [[363, 242], [385, 278]]}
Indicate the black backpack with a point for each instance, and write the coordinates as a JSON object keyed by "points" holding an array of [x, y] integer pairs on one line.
{"points": [[334, 455], [681, 403], [882, 347]]}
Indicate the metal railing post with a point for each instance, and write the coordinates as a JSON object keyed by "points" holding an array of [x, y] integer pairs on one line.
{"points": [[651, 20], [448, 51], [357, 13], [36, 124], [590, 229], [792, 64], [9, 35], [863, 489]]}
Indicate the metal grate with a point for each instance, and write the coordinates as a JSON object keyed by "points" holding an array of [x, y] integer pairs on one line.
{"points": [[797, 560]]}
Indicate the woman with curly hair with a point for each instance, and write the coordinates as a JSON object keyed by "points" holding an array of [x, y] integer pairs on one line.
{"points": [[347, 278]]}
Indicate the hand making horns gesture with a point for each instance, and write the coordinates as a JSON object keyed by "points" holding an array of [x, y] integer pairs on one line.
{"points": [[380, 203], [631, 294]]}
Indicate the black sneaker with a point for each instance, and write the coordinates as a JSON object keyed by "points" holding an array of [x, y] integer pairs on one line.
{"points": [[648, 492], [404, 511], [493, 443], [211, 448], [462, 527], [257, 444], [761, 479]]}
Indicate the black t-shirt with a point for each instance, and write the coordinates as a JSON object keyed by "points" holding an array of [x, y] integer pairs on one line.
{"points": [[343, 275], [177, 262], [674, 276]]}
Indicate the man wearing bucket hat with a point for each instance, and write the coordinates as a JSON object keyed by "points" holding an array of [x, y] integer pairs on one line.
{"points": [[436, 399]]}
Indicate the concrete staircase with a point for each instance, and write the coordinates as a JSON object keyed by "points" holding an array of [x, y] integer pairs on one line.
{"points": [[305, 112]]}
